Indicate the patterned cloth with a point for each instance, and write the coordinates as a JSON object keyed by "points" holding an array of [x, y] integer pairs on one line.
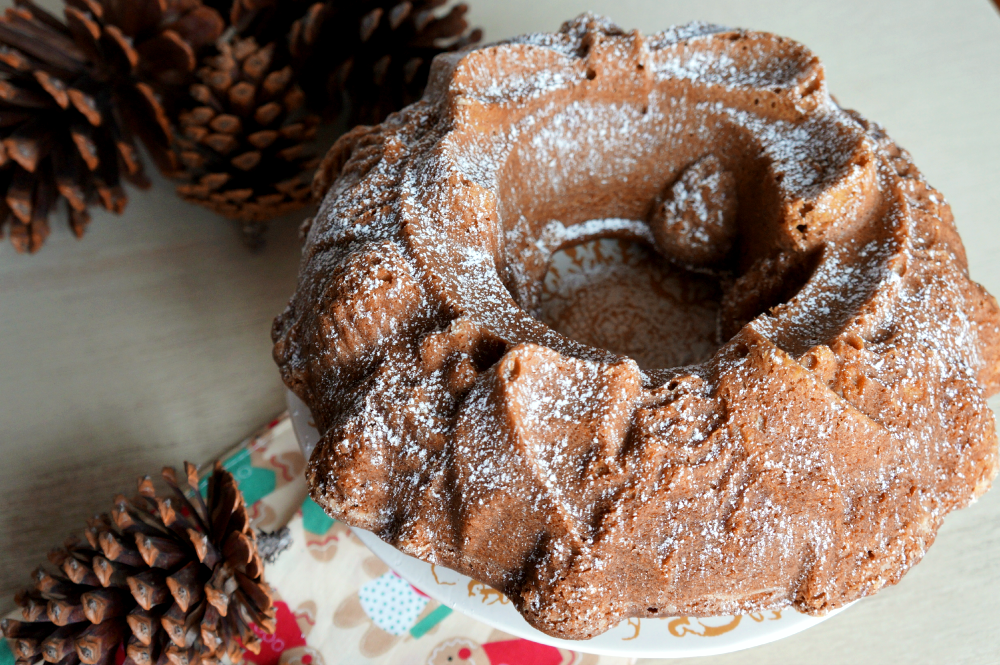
{"points": [[339, 604]]}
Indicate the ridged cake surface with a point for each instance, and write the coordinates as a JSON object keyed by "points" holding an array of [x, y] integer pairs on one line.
{"points": [[807, 463]]}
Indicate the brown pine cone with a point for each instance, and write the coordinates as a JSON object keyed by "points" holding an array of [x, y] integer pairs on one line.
{"points": [[372, 55], [172, 580], [244, 139], [76, 94]]}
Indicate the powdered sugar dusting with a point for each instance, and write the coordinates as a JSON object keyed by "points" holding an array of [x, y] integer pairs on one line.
{"points": [[807, 463]]}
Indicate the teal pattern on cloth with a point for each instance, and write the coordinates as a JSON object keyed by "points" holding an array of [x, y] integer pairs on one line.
{"points": [[429, 621], [254, 482], [314, 519], [6, 655]]}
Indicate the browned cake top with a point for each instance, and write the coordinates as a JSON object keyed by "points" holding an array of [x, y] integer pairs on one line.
{"points": [[820, 425]]}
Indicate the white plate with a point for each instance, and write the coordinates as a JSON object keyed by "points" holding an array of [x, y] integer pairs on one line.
{"points": [[673, 637]]}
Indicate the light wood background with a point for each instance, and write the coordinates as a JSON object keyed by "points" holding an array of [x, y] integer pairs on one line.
{"points": [[147, 342]]}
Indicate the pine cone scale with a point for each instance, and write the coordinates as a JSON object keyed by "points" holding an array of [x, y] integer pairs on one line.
{"points": [[398, 14], [149, 589], [41, 42], [159, 552], [63, 612], [22, 98], [12, 61], [67, 166], [86, 147], [87, 106], [127, 55], [102, 604], [78, 572], [165, 55], [55, 87], [369, 23], [143, 626], [19, 195], [200, 27], [58, 645], [24, 148], [268, 113], [97, 642], [95, 7], [86, 31]]}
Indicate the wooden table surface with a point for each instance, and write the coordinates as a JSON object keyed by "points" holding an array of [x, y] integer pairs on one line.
{"points": [[147, 342]]}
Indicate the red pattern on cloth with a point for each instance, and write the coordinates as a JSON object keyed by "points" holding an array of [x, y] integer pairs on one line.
{"points": [[521, 652]]}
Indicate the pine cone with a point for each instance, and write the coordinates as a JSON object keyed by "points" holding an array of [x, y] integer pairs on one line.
{"points": [[245, 137], [375, 55], [75, 95], [173, 580]]}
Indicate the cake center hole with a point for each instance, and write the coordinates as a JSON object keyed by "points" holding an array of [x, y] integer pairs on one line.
{"points": [[622, 296]]}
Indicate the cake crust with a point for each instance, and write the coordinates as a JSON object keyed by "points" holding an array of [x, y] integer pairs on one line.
{"points": [[807, 464]]}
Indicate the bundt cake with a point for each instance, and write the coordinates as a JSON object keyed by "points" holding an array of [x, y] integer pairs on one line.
{"points": [[806, 463]]}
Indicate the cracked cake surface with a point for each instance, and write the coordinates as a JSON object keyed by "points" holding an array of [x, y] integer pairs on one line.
{"points": [[806, 463]]}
